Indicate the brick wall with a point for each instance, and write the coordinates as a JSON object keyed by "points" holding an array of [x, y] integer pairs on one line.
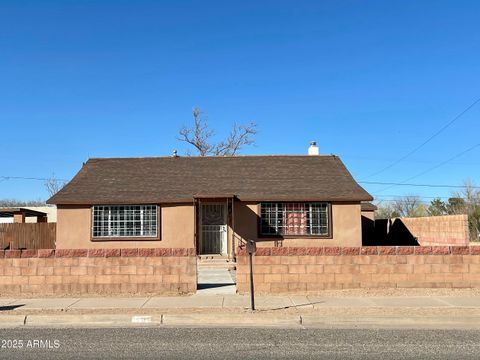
{"points": [[98, 271], [439, 230], [310, 270]]}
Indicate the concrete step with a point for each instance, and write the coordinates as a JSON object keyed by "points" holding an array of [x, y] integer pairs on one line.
{"points": [[215, 262]]}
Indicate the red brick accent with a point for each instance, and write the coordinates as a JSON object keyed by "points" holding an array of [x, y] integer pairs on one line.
{"points": [[147, 252], [30, 253], [440, 250], [112, 253], [475, 250], [129, 252], [46, 253], [423, 250], [405, 250], [13, 254], [263, 252], [59, 253], [79, 252], [280, 250], [387, 250], [351, 251], [460, 250], [333, 250], [2, 254], [96, 252], [163, 252], [180, 252], [369, 250], [315, 251], [297, 251]]}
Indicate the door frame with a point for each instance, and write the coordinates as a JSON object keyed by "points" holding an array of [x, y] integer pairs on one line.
{"points": [[225, 223]]}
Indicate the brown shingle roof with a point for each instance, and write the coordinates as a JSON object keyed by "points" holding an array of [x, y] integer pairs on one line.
{"points": [[368, 206], [179, 179]]}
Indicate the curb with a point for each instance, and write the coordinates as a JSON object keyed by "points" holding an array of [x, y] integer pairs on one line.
{"points": [[239, 320], [9, 321], [233, 320]]}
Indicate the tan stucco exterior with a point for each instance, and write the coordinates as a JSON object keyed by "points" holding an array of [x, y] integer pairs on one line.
{"points": [[178, 228], [74, 229], [346, 227]]}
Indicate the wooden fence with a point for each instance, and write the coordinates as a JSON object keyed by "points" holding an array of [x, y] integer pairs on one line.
{"points": [[28, 236]]}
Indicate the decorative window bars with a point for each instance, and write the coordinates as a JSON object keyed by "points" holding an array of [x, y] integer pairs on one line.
{"points": [[124, 221], [278, 219]]}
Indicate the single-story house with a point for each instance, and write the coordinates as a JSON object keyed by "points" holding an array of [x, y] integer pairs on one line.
{"points": [[210, 203]]}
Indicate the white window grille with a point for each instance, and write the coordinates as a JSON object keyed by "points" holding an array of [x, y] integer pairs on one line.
{"points": [[278, 219], [124, 221]]}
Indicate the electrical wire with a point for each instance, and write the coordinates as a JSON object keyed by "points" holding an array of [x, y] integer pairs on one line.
{"points": [[442, 129]]}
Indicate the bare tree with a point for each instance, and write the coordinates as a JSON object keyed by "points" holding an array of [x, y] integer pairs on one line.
{"points": [[201, 137], [20, 203], [470, 205], [410, 206], [53, 185], [385, 211]]}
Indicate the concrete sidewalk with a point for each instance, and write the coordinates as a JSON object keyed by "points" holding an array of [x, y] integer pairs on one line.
{"points": [[238, 302], [439, 312]]}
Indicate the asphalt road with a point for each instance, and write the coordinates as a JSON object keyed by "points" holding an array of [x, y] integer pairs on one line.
{"points": [[233, 343]]}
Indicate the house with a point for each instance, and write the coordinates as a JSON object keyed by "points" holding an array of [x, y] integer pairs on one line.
{"points": [[368, 223], [28, 214], [210, 203]]}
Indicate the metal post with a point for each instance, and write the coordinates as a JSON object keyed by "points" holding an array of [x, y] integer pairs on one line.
{"points": [[252, 290], [251, 248]]}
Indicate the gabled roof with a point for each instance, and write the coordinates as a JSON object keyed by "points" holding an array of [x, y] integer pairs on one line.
{"points": [[368, 206], [9, 212], [180, 179]]}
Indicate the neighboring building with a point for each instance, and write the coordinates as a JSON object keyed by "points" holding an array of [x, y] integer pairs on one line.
{"points": [[210, 203], [28, 214], [368, 223]]}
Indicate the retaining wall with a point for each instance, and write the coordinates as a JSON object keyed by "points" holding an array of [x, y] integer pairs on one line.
{"points": [[439, 230], [98, 271], [310, 270]]}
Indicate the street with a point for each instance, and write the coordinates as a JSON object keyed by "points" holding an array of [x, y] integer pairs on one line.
{"points": [[244, 343]]}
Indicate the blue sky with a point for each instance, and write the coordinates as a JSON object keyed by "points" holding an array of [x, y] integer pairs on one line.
{"points": [[369, 80]]}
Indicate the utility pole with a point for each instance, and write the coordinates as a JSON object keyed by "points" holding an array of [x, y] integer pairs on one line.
{"points": [[251, 248]]}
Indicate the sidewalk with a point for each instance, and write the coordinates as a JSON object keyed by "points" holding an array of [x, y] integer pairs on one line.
{"points": [[238, 302], [233, 310]]}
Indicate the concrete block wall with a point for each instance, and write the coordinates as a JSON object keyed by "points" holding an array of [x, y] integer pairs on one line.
{"points": [[98, 271], [285, 270], [439, 230]]}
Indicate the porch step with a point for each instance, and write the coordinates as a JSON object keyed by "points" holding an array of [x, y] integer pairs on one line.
{"points": [[215, 262]]}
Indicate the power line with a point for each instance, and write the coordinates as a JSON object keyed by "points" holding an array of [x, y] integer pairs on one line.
{"points": [[414, 185], [4, 178], [395, 197], [426, 141], [435, 167]]}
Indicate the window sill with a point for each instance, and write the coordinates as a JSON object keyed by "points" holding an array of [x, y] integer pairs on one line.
{"points": [[281, 237], [121, 238]]}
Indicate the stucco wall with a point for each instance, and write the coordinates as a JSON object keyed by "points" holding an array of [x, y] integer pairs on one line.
{"points": [[74, 229], [346, 227], [178, 225]]}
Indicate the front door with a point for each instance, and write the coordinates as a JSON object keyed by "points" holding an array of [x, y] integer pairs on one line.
{"points": [[213, 222]]}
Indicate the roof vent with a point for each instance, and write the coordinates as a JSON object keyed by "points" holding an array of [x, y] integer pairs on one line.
{"points": [[313, 149], [174, 153]]}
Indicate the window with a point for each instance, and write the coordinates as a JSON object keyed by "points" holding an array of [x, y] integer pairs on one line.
{"points": [[279, 219], [125, 221]]}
